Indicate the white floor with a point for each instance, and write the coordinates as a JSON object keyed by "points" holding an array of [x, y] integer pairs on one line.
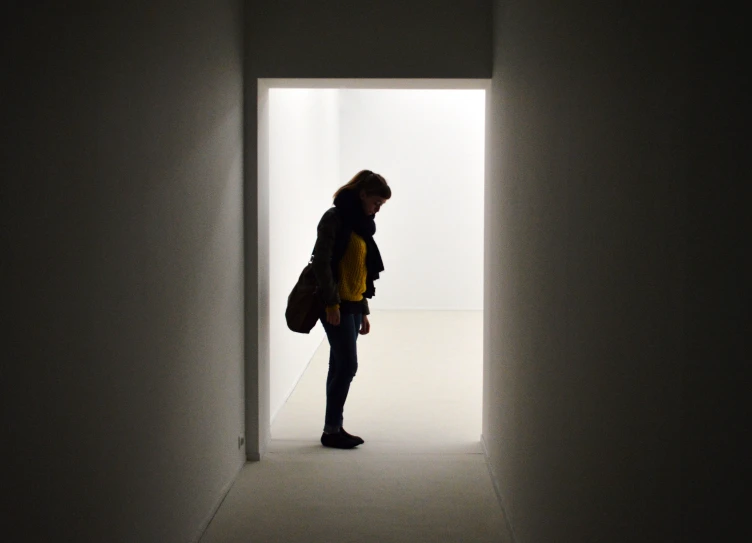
{"points": [[421, 475]]}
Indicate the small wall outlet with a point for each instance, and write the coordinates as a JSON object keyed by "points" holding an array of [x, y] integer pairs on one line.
{"points": [[241, 441]]}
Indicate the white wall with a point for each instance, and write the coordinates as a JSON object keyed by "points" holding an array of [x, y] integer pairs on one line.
{"points": [[585, 260], [122, 175], [429, 145], [303, 165]]}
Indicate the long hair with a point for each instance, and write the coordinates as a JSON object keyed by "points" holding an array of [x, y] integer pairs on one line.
{"points": [[372, 183]]}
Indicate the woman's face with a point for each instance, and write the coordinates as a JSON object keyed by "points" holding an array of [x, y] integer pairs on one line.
{"points": [[371, 204]]}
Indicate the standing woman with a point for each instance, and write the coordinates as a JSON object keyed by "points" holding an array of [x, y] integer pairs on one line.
{"points": [[346, 262]]}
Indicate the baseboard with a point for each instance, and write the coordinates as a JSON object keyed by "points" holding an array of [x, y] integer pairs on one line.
{"points": [[222, 495], [497, 489]]}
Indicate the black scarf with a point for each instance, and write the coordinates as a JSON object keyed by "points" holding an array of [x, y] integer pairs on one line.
{"points": [[354, 219]]}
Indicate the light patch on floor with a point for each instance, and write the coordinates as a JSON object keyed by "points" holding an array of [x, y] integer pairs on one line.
{"points": [[420, 476]]}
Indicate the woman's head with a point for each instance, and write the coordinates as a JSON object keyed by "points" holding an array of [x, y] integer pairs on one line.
{"points": [[372, 189]]}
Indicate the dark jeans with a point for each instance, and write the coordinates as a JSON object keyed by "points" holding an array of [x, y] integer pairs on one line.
{"points": [[343, 365]]}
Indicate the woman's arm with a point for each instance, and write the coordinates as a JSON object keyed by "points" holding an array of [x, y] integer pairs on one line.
{"points": [[322, 259]]}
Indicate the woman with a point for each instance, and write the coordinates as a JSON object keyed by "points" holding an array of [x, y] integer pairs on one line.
{"points": [[346, 262]]}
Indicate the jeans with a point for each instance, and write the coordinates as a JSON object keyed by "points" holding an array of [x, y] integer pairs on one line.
{"points": [[343, 365]]}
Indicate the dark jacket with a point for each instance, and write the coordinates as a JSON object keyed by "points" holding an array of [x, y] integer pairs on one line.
{"points": [[331, 245]]}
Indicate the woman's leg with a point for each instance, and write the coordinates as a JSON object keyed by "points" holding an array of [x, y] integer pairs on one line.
{"points": [[343, 365]]}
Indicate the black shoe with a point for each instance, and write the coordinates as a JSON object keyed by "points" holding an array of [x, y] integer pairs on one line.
{"points": [[350, 436], [338, 441]]}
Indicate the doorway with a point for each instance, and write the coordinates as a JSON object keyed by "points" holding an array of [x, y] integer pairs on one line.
{"points": [[427, 138]]}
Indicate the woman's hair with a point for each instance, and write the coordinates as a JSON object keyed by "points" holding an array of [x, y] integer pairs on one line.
{"points": [[372, 183]]}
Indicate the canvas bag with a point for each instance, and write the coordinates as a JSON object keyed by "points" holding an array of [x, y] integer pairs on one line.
{"points": [[304, 304]]}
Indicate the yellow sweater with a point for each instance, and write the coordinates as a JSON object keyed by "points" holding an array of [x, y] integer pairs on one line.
{"points": [[352, 272]]}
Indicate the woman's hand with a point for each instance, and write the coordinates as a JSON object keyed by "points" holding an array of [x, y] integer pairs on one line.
{"points": [[365, 327], [332, 316]]}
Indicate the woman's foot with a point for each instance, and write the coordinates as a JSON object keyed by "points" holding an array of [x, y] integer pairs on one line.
{"points": [[354, 438], [338, 441]]}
